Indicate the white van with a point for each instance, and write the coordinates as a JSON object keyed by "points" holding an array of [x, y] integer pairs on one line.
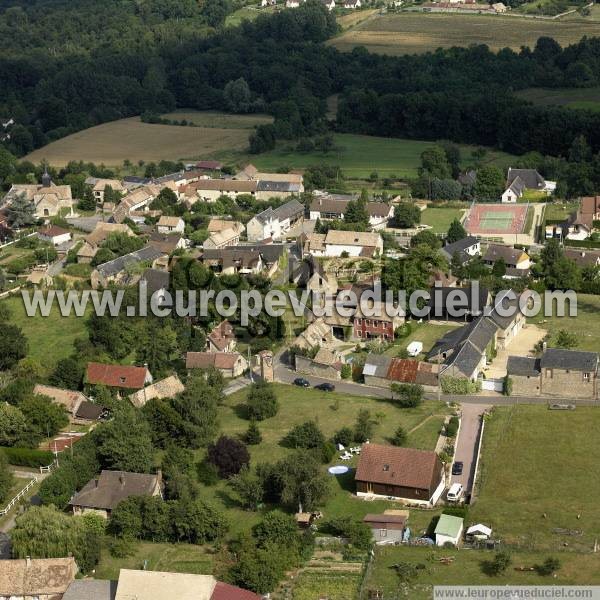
{"points": [[414, 348], [455, 492]]}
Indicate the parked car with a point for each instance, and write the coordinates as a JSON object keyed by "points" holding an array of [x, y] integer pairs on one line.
{"points": [[562, 407], [301, 382], [325, 387], [455, 492], [457, 467]]}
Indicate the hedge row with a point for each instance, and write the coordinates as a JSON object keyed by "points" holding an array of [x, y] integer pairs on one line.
{"points": [[583, 243], [28, 457]]}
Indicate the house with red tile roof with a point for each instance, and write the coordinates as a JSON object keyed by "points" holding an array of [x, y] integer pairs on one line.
{"points": [[118, 376], [406, 474], [222, 338], [229, 364]]}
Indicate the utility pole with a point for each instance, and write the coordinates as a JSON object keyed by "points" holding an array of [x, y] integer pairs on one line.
{"points": [[439, 390]]}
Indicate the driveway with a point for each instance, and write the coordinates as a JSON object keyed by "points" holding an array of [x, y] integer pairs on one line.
{"points": [[467, 443], [522, 345]]}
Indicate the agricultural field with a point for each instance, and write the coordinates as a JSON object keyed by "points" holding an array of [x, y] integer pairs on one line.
{"points": [[583, 98], [331, 411], [328, 583], [417, 33], [50, 338], [441, 218], [361, 155], [112, 143], [219, 120], [467, 568], [546, 477]]}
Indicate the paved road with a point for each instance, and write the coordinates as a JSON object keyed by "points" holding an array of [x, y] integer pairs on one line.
{"points": [[467, 443]]}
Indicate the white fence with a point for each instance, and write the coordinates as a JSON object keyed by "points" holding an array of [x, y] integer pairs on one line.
{"points": [[49, 468], [18, 496]]}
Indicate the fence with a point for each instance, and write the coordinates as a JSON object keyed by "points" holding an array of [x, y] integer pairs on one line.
{"points": [[49, 468], [18, 496]]}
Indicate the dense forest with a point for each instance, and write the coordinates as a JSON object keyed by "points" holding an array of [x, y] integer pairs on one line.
{"points": [[65, 66]]}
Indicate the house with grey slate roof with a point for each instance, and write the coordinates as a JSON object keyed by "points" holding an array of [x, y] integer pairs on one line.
{"points": [[558, 372]]}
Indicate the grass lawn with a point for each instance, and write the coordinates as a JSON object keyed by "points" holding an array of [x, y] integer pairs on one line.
{"points": [[440, 218], [178, 558], [50, 338], [326, 584], [428, 333], [358, 156], [298, 405], [536, 461], [586, 325], [426, 435], [417, 33], [467, 570], [13, 252], [560, 210]]}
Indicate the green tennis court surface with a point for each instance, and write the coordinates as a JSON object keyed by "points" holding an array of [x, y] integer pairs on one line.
{"points": [[494, 220]]}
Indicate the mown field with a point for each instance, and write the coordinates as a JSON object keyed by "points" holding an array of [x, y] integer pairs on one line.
{"points": [[583, 98], [440, 218], [360, 155], [536, 491], [417, 33], [112, 143], [468, 569], [50, 338]]}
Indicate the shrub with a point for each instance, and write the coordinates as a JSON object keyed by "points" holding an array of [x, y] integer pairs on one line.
{"points": [[452, 427], [498, 564], [306, 435], [456, 511], [363, 430], [28, 457], [228, 455], [548, 567], [400, 436], [327, 452], [508, 386], [261, 401], [253, 436], [459, 386], [207, 473], [343, 436], [122, 547], [346, 371], [357, 532], [409, 395]]}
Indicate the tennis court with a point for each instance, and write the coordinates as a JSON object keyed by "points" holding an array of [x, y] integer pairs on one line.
{"points": [[496, 218]]}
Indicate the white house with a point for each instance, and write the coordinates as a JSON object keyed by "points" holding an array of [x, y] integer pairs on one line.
{"points": [[274, 223], [54, 235], [448, 530], [335, 243], [170, 225], [519, 180]]}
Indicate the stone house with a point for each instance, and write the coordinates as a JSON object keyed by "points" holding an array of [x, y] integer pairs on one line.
{"points": [[558, 372], [118, 376], [327, 363], [170, 225], [165, 388], [80, 409], [229, 364], [222, 338], [103, 494]]}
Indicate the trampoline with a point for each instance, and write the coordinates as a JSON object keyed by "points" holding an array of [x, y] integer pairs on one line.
{"points": [[338, 470]]}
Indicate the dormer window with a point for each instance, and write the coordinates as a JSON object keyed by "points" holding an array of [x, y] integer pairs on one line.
{"points": [[386, 467], [122, 379]]}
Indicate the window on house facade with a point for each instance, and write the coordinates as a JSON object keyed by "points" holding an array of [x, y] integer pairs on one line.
{"points": [[383, 533], [586, 376], [548, 373]]}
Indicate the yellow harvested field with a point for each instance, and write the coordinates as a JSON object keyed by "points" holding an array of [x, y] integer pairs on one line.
{"points": [[355, 17], [417, 33], [112, 143]]}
